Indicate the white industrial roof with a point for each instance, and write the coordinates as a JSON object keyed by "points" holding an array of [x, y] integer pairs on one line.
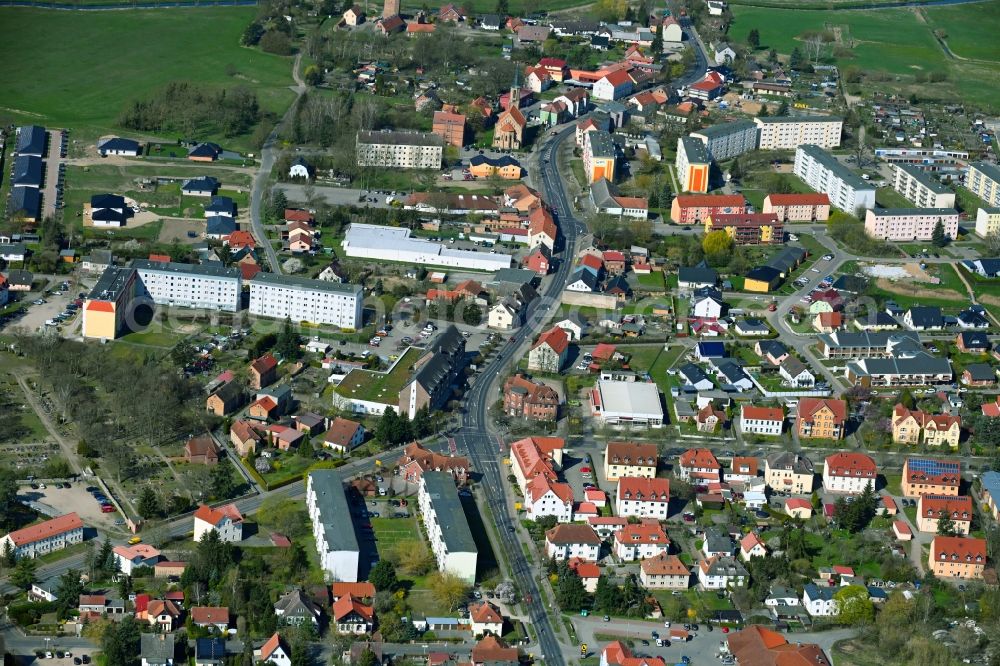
{"points": [[630, 398]]}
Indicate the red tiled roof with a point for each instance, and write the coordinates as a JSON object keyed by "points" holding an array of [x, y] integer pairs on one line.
{"points": [[959, 508], [664, 565], [341, 431], [362, 590], [567, 533], [958, 549], [618, 77], [214, 516], [809, 406], [762, 413], [485, 613], [643, 533], [844, 463], [710, 200], [699, 458], [210, 615], [45, 530], [757, 646], [264, 364], [268, 648], [541, 485], [603, 351], [584, 569], [644, 490], [805, 199], [347, 604], [556, 338], [798, 503]]}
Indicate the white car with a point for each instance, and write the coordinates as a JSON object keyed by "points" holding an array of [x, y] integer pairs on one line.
{"points": [[814, 270], [666, 624]]}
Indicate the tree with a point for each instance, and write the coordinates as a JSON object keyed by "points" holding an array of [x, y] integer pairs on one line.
{"points": [[945, 526], [68, 592], [753, 39], [276, 204], [10, 508], [223, 484], [368, 657], [502, 9], [120, 642], [124, 586], [313, 75], [148, 504], [277, 42], [795, 60], [938, 236], [570, 593], [472, 314], [449, 590], [736, 170], [854, 607], [23, 574], [252, 34], [716, 243], [383, 575], [287, 344], [657, 46]]}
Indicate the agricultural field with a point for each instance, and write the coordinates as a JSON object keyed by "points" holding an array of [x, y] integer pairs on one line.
{"points": [[969, 30], [200, 46]]}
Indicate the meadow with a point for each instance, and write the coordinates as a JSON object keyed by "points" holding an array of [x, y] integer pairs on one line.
{"points": [[971, 30], [87, 66]]}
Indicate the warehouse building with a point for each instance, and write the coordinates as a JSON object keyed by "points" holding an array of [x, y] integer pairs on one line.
{"points": [[371, 241]]}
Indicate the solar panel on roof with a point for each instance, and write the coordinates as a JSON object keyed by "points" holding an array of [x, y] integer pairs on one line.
{"points": [[930, 466]]}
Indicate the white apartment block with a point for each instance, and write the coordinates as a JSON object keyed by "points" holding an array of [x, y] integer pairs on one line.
{"points": [[640, 542], [45, 537], [908, 224], [330, 515], [761, 420], [399, 150], [790, 132], [202, 286], [983, 179], [988, 222], [822, 172], [642, 498], [728, 140], [446, 525], [575, 540], [920, 187], [301, 299]]}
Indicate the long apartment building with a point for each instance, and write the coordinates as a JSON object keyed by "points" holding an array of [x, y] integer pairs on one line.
{"points": [[728, 140], [790, 132], [983, 179], [46, 537], [399, 150], [203, 286], [988, 221], [748, 228], [106, 311], [330, 515], [909, 224], [693, 165], [302, 299], [920, 187], [805, 207], [695, 208], [447, 527], [822, 172]]}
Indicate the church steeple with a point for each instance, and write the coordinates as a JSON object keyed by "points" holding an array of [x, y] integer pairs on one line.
{"points": [[514, 100]]}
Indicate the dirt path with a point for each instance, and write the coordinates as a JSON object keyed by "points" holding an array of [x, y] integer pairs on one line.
{"points": [[69, 451], [916, 292], [119, 161]]}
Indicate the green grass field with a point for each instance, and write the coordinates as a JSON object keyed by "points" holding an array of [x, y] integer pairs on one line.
{"points": [[971, 29], [93, 63]]}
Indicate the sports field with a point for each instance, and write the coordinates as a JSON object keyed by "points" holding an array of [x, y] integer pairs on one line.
{"points": [[80, 69]]}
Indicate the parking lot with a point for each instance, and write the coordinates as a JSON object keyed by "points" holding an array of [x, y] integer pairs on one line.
{"points": [[46, 307], [54, 173], [58, 501]]}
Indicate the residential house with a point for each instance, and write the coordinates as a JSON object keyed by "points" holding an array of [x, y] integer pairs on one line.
{"points": [[694, 377], [822, 418], [614, 85], [263, 372], [530, 400], [544, 497], [157, 649], [789, 472], [664, 572], [699, 466], [416, 460], [751, 545], [709, 419], [275, 651], [743, 469], [848, 472], [761, 420], [698, 276], [795, 373], [979, 375], [722, 572], [923, 318], [226, 521], [226, 399], [931, 476], [640, 541], [799, 508], [573, 540], [908, 426], [211, 617], [295, 608], [485, 618], [629, 460], [931, 509], [828, 322], [351, 616], [131, 557], [574, 325], [549, 352], [957, 557], [344, 435], [643, 497], [818, 601]]}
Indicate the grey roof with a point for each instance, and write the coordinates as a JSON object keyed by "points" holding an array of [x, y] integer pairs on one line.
{"points": [[793, 366], [601, 144], [725, 129], [447, 352], [787, 259], [790, 461], [99, 256], [695, 150], [119, 144], [13, 248], [31, 140], [775, 348], [800, 119], [516, 276], [399, 138], [923, 178], [727, 565], [440, 487], [717, 541], [107, 201], [334, 510], [175, 268], [830, 163], [919, 364], [926, 316], [306, 284], [989, 169], [111, 283], [693, 374], [850, 283], [976, 339], [973, 318], [752, 325], [981, 372], [697, 275], [870, 339], [26, 201], [603, 194], [588, 278], [815, 592], [891, 212], [157, 649], [200, 184], [219, 225], [729, 370], [221, 204], [296, 604], [27, 171], [20, 277]]}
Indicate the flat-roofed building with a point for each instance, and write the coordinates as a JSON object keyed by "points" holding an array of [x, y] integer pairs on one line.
{"points": [[371, 241], [447, 527], [204, 286], [790, 132], [822, 172], [399, 150], [108, 307], [618, 402], [301, 299], [807, 207], [909, 224], [693, 165], [983, 179], [330, 515], [988, 222], [728, 140], [920, 187]]}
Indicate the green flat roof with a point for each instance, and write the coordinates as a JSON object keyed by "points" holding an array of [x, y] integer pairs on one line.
{"points": [[376, 386]]}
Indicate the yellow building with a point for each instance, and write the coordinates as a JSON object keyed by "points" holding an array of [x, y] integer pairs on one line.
{"points": [[693, 165], [505, 167], [937, 429], [105, 310], [762, 280], [984, 181], [988, 222]]}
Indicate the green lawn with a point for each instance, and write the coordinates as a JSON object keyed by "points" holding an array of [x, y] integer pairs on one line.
{"points": [[94, 63], [154, 336], [390, 531], [887, 197], [653, 280], [971, 29]]}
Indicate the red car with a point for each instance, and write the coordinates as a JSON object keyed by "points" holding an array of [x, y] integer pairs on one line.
{"points": [[107, 508]]}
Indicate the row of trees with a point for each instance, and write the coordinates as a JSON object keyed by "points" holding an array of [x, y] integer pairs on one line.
{"points": [[393, 429], [190, 110]]}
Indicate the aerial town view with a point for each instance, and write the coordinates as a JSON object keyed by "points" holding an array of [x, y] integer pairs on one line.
{"points": [[499, 333]]}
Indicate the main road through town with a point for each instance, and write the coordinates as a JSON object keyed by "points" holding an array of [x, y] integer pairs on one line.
{"points": [[475, 435]]}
